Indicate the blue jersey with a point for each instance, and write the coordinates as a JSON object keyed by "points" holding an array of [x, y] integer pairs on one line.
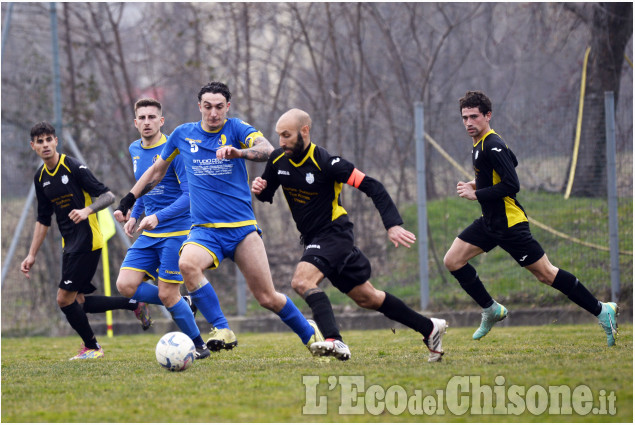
{"points": [[169, 199], [219, 188]]}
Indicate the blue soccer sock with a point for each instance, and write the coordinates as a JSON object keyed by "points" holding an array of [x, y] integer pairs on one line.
{"points": [[184, 319], [207, 302], [147, 293], [292, 317]]}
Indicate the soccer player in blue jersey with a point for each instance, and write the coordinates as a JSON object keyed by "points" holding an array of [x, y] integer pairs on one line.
{"points": [[505, 224], [165, 227], [213, 151], [65, 187], [312, 180]]}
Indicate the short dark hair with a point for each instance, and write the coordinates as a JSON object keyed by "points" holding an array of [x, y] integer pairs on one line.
{"points": [[476, 99], [42, 128], [215, 87], [146, 101]]}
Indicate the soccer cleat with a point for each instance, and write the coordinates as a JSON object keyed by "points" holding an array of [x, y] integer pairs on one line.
{"points": [[202, 352], [433, 341], [189, 302], [490, 315], [331, 347], [88, 353], [608, 320], [221, 339], [316, 337], [143, 314]]}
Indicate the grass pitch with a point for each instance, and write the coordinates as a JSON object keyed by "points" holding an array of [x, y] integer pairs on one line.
{"points": [[262, 379]]}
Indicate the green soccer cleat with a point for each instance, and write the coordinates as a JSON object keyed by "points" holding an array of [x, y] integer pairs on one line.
{"points": [[608, 320], [221, 339], [490, 315]]}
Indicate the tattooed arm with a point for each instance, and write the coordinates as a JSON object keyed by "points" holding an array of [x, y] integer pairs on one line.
{"points": [[259, 152], [100, 203]]}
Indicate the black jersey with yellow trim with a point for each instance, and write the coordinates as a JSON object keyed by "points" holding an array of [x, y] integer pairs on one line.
{"points": [[312, 188], [70, 185], [497, 182]]}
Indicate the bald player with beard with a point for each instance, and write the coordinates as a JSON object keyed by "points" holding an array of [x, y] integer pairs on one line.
{"points": [[312, 180]]}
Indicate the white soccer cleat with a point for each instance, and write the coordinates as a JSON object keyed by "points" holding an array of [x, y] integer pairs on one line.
{"points": [[433, 341], [331, 347]]}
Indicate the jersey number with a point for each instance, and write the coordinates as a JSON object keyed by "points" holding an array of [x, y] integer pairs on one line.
{"points": [[193, 147]]}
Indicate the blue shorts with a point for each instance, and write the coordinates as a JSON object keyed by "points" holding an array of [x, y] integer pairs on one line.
{"points": [[219, 242], [155, 256]]}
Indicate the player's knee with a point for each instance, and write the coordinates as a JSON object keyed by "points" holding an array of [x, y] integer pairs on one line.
{"points": [[450, 262], [126, 288], [300, 286], [266, 301], [188, 268]]}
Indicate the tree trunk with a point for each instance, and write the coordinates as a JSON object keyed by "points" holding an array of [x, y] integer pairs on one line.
{"points": [[611, 29]]}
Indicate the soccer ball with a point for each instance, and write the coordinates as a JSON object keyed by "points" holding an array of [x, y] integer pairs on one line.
{"points": [[175, 351]]}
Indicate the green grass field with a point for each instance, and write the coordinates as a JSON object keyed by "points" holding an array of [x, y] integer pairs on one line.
{"points": [[262, 379]]}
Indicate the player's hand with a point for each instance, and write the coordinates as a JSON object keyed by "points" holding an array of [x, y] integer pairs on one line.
{"points": [[398, 235], [119, 216], [129, 226], [148, 223], [258, 185], [25, 267], [466, 190], [228, 152], [80, 215]]}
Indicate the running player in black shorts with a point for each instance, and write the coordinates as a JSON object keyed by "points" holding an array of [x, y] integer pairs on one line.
{"points": [[64, 186], [312, 181], [504, 223]]}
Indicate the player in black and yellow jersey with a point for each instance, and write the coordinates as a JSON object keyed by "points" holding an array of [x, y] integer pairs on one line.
{"points": [[504, 223], [312, 180], [65, 187]]}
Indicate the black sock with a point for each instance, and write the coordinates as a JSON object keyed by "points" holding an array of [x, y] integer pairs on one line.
{"points": [[101, 304], [470, 282], [569, 285], [395, 309], [77, 319], [323, 314]]}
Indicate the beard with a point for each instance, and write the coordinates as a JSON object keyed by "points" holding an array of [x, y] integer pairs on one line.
{"points": [[298, 149]]}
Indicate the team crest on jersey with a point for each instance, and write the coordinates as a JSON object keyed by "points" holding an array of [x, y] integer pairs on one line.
{"points": [[223, 140], [154, 158], [310, 178], [64, 179]]}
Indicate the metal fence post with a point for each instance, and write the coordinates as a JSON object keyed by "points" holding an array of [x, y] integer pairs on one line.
{"points": [[422, 206], [611, 177]]}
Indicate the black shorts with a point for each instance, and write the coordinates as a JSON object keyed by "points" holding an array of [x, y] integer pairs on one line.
{"points": [[78, 269], [517, 241], [333, 252]]}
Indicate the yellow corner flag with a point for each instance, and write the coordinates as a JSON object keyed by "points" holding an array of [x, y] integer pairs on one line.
{"points": [[107, 227]]}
